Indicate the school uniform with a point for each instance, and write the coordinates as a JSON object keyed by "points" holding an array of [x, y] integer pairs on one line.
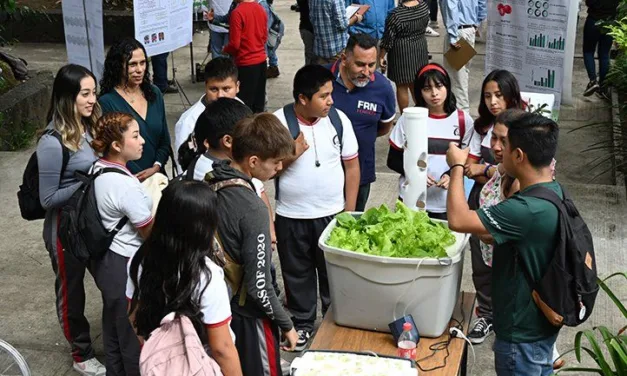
{"points": [[119, 196], [311, 194], [442, 130], [213, 296], [244, 231]]}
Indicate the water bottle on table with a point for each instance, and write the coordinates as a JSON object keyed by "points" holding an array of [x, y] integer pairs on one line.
{"points": [[407, 343]]}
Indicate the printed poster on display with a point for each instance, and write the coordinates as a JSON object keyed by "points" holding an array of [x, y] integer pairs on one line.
{"points": [[82, 23], [163, 25], [528, 38]]}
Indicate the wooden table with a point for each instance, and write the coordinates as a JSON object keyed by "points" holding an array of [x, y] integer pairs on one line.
{"points": [[334, 337]]}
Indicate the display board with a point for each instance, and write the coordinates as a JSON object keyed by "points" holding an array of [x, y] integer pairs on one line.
{"points": [[82, 22], [529, 38], [163, 25]]}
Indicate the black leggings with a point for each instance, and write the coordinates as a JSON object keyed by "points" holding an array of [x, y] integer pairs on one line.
{"points": [[433, 10]]}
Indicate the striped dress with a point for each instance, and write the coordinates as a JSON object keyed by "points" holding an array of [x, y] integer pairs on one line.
{"points": [[405, 42]]}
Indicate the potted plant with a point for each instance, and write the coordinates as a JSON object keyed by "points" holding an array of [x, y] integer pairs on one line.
{"points": [[601, 342]]}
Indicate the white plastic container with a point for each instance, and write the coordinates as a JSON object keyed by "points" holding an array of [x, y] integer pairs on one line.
{"points": [[369, 292]]}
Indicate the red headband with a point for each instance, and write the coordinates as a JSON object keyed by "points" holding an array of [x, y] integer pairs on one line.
{"points": [[429, 67]]}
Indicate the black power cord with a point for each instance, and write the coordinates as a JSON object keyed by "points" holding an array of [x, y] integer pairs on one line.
{"points": [[443, 345]]}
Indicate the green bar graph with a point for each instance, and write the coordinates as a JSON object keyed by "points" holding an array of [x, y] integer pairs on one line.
{"points": [[557, 44], [542, 41], [538, 40], [548, 81]]}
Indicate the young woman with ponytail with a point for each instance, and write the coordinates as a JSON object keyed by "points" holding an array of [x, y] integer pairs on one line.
{"points": [[72, 115]]}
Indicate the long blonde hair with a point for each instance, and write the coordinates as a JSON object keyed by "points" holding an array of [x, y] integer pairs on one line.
{"points": [[62, 112]]}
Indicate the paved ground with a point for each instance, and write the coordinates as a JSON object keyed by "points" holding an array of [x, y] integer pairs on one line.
{"points": [[27, 316]]}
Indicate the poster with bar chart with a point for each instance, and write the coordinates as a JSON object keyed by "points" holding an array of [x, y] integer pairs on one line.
{"points": [[545, 79], [530, 40]]}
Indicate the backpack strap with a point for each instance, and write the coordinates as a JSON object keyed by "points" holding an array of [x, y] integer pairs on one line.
{"points": [[461, 121], [235, 182], [292, 121], [542, 193], [65, 151], [294, 128], [230, 266], [124, 219], [189, 175], [336, 121], [546, 194]]}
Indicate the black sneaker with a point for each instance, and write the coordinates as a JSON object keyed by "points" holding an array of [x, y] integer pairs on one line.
{"points": [[481, 331], [604, 93], [592, 87], [303, 339]]}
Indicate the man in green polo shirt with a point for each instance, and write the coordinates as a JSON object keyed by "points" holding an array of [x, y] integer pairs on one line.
{"points": [[524, 231]]}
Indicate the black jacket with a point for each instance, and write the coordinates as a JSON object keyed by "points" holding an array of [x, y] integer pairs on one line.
{"points": [[244, 228], [602, 9]]}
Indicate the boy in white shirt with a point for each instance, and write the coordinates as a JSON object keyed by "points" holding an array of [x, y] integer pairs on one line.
{"points": [[319, 181], [220, 82]]}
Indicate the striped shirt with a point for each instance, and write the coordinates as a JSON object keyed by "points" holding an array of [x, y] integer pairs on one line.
{"points": [[330, 24]]}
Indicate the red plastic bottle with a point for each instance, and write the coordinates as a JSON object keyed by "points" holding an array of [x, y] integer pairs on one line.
{"points": [[407, 343]]}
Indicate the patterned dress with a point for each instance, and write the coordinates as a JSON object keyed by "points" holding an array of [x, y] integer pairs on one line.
{"points": [[405, 42]]}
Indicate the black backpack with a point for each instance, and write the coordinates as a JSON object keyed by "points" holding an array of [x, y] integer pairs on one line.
{"points": [[567, 291], [80, 225], [28, 195], [187, 152], [188, 175], [292, 125]]}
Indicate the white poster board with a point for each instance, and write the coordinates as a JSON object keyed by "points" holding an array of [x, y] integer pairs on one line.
{"points": [[529, 38], [82, 21], [163, 25]]}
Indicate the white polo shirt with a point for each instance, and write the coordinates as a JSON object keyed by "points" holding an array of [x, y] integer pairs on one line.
{"points": [[185, 126], [205, 165], [118, 196], [442, 130], [307, 191], [214, 301]]}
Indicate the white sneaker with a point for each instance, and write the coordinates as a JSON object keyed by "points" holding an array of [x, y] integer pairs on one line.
{"points": [[91, 367], [431, 33]]}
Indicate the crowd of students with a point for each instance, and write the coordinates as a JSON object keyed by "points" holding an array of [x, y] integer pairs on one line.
{"points": [[319, 150]]}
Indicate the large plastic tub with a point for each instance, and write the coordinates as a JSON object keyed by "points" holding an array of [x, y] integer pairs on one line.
{"points": [[369, 292]]}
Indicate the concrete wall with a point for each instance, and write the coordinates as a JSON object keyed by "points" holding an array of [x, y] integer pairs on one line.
{"points": [[24, 109]]}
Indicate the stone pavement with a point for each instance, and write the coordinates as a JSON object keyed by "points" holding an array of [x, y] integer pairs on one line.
{"points": [[27, 315]]}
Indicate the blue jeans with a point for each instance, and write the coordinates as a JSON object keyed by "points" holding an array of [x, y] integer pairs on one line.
{"points": [[594, 39], [524, 359], [217, 43], [273, 60], [160, 70]]}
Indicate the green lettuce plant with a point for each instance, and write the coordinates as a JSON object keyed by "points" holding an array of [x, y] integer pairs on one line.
{"points": [[403, 233]]}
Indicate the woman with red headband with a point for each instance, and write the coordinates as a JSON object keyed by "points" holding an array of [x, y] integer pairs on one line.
{"points": [[445, 124], [405, 44]]}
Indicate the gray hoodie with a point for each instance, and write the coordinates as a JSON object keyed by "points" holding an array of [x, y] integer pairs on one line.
{"points": [[244, 228]]}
